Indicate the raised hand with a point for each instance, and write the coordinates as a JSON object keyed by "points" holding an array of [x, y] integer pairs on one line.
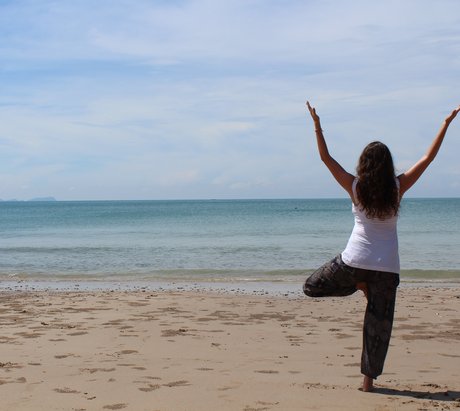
{"points": [[314, 116], [452, 115]]}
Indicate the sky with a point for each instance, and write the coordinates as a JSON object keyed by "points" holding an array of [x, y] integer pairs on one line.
{"points": [[204, 99]]}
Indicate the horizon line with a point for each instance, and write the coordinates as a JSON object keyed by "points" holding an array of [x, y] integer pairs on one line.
{"points": [[55, 200]]}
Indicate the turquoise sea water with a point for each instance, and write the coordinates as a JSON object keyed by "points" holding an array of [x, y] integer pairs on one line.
{"points": [[210, 240]]}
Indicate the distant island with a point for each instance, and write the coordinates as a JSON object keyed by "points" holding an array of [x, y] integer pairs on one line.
{"points": [[43, 199]]}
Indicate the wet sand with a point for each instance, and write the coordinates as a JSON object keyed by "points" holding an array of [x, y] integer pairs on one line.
{"points": [[171, 350]]}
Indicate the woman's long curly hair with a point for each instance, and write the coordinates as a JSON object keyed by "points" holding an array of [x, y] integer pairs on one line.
{"points": [[377, 191]]}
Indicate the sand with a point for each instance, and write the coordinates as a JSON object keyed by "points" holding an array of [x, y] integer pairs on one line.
{"points": [[199, 351]]}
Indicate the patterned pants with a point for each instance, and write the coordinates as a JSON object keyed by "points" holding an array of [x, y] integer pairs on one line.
{"points": [[335, 278]]}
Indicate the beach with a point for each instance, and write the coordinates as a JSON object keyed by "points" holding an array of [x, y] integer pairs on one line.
{"points": [[201, 350]]}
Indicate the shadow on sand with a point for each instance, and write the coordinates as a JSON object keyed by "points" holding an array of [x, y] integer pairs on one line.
{"points": [[436, 393]]}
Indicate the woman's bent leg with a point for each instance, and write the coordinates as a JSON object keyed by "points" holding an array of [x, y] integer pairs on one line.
{"points": [[378, 321], [333, 279]]}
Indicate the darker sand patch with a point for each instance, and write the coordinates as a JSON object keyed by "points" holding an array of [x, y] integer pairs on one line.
{"points": [[28, 335], [137, 304], [272, 316]]}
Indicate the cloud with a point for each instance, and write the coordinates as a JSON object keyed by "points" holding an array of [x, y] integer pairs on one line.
{"points": [[206, 99]]}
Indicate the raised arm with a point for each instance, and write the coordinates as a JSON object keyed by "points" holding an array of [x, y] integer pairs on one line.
{"points": [[410, 177], [344, 178]]}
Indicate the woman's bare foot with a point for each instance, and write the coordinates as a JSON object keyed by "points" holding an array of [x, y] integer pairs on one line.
{"points": [[368, 384]]}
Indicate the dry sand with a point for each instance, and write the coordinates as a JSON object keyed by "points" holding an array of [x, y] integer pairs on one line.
{"points": [[207, 351]]}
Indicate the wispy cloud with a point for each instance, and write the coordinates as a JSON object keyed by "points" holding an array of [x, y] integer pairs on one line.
{"points": [[197, 98]]}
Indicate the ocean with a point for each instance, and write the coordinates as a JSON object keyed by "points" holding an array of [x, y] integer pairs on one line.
{"points": [[210, 241]]}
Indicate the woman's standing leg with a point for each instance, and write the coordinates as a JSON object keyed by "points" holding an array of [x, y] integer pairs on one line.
{"points": [[378, 323]]}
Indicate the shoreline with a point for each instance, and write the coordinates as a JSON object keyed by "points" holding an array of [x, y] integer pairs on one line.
{"points": [[200, 351], [291, 288]]}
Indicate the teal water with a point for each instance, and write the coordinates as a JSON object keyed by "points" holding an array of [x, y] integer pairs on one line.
{"points": [[264, 240]]}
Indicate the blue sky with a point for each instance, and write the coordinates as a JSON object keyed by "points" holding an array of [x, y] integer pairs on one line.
{"points": [[206, 99]]}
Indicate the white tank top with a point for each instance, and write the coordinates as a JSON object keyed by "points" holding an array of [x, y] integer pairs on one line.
{"points": [[373, 244]]}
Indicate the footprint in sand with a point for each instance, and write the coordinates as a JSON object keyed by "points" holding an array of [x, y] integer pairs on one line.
{"points": [[181, 383], [147, 385], [260, 406], [127, 352], [77, 333], [20, 380], [150, 387], [115, 406], [66, 390], [93, 370]]}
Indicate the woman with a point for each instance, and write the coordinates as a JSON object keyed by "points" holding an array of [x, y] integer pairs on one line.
{"points": [[370, 261]]}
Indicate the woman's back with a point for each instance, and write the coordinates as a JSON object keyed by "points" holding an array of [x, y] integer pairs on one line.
{"points": [[373, 243]]}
